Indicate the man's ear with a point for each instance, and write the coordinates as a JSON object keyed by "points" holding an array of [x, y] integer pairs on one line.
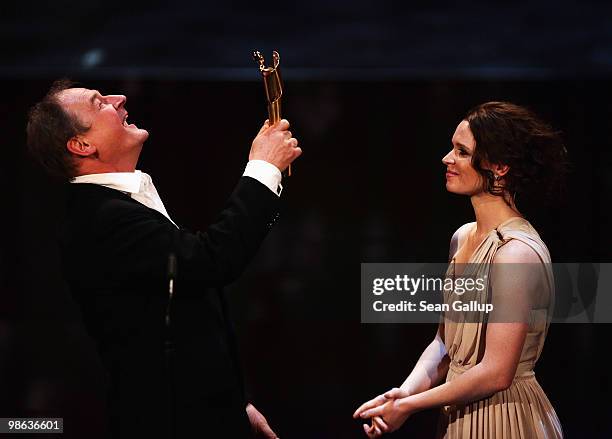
{"points": [[80, 147]]}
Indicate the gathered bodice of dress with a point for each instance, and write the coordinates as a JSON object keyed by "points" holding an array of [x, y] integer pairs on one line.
{"points": [[465, 342]]}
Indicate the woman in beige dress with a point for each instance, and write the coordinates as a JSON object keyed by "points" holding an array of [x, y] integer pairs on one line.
{"points": [[480, 372]]}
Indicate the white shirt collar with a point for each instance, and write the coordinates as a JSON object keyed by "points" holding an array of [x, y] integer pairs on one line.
{"points": [[122, 181], [138, 184]]}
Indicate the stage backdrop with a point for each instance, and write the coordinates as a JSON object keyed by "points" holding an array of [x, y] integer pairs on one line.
{"points": [[368, 188]]}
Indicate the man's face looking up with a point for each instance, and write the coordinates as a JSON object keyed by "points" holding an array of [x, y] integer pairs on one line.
{"points": [[111, 139]]}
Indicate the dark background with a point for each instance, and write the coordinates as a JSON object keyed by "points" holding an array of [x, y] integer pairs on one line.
{"points": [[374, 93]]}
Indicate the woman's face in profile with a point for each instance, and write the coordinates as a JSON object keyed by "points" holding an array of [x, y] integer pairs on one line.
{"points": [[461, 177]]}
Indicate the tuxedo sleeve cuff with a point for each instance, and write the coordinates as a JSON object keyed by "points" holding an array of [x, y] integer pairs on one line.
{"points": [[266, 173]]}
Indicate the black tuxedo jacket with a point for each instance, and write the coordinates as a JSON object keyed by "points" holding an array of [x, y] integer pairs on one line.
{"points": [[115, 258]]}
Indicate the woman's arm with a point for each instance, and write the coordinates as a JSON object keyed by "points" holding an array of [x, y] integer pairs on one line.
{"points": [[504, 343], [431, 368], [492, 374]]}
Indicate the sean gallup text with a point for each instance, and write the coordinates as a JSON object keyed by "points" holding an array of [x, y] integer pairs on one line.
{"points": [[409, 306]]}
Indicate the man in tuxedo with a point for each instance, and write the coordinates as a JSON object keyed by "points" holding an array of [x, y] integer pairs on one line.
{"points": [[171, 363]]}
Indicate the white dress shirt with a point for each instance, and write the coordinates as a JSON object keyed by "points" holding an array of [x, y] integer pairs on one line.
{"points": [[139, 185]]}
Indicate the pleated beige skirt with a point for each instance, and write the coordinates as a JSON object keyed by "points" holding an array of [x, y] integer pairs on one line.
{"points": [[521, 411]]}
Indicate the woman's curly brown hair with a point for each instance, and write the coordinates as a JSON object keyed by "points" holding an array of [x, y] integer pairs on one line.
{"points": [[508, 134]]}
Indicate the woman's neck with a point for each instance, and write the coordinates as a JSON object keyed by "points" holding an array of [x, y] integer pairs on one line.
{"points": [[491, 211]]}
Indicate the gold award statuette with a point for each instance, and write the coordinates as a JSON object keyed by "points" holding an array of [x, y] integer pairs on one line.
{"points": [[273, 86]]}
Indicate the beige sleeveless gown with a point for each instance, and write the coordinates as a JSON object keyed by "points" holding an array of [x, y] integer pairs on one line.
{"points": [[522, 410]]}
